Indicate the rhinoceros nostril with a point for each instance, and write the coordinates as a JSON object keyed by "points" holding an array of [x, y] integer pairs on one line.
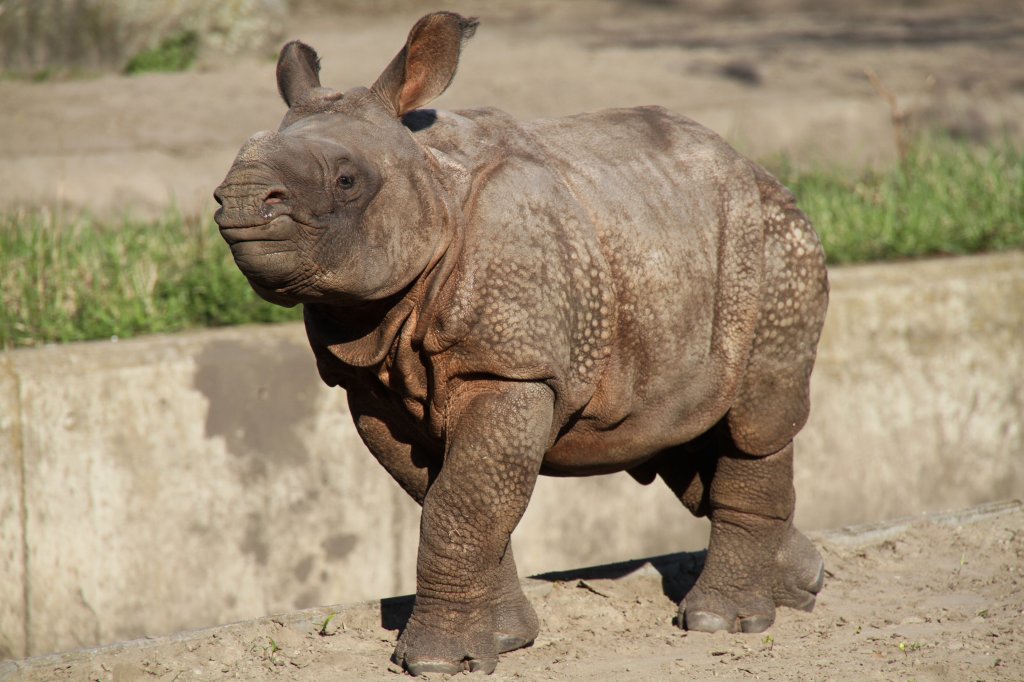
{"points": [[275, 196]]}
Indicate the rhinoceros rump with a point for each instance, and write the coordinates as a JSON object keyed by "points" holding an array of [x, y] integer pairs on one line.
{"points": [[614, 291]]}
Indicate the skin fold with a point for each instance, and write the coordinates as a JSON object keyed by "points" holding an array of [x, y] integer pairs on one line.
{"points": [[614, 291]]}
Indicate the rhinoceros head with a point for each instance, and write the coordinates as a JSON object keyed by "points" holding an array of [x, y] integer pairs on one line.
{"points": [[339, 204]]}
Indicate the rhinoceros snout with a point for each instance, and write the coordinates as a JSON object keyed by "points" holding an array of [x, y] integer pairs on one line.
{"points": [[252, 193], [245, 204], [272, 194]]}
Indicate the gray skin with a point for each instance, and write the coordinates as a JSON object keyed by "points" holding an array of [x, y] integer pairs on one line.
{"points": [[615, 291]]}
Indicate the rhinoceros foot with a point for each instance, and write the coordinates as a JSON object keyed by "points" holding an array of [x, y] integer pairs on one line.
{"points": [[715, 604], [508, 623], [517, 623], [428, 648], [800, 574]]}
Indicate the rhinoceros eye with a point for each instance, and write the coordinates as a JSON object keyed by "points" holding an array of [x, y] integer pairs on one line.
{"points": [[346, 182]]}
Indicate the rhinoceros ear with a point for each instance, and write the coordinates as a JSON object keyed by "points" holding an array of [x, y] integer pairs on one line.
{"points": [[426, 65], [298, 71]]}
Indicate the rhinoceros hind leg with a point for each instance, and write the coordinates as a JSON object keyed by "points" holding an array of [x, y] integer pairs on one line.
{"points": [[773, 400], [756, 559]]}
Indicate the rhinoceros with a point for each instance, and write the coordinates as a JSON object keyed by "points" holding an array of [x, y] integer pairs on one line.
{"points": [[612, 291]]}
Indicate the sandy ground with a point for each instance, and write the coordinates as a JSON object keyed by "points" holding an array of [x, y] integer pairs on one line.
{"points": [[939, 598], [776, 77]]}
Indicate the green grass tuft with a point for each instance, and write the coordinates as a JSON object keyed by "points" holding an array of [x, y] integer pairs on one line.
{"points": [[74, 279], [947, 198], [175, 53]]}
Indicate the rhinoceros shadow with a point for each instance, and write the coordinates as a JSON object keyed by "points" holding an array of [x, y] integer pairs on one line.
{"points": [[678, 574]]}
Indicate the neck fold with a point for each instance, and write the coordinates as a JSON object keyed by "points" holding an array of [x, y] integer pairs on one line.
{"points": [[364, 336]]}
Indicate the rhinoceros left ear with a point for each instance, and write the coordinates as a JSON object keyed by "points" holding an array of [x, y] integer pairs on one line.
{"points": [[298, 71], [426, 65]]}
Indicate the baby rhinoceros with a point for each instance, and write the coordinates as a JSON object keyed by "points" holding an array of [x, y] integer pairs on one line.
{"points": [[615, 291]]}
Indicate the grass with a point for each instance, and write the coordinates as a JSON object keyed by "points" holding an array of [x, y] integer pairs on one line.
{"points": [[946, 198], [175, 53], [74, 278], [326, 624], [71, 277]]}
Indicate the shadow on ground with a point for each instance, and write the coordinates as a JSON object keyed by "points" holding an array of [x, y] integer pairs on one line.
{"points": [[678, 573]]}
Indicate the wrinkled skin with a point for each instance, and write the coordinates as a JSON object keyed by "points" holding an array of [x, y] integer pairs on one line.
{"points": [[616, 291]]}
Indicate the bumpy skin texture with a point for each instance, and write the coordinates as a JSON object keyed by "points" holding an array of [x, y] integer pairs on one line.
{"points": [[616, 291]]}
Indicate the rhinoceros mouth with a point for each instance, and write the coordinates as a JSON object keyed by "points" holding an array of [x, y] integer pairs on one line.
{"points": [[266, 253], [272, 265], [279, 229]]}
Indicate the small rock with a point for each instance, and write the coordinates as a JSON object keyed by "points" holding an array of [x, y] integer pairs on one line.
{"points": [[742, 71], [307, 627]]}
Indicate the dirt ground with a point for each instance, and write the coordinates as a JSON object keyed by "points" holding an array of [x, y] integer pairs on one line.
{"points": [[776, 77], [937, 600], [940, 598]]}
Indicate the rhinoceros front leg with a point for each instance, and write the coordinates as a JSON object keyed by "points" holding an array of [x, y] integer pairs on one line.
{"points": [[414, 465], [756, 559], [469, 606]]}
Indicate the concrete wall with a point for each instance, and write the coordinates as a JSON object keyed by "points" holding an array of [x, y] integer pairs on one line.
{"points": [[918, 392], [91, 35], [172, 482]]}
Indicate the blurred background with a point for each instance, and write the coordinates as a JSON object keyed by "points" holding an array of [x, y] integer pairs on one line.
{"points": [[180, 480], [130, 106]]}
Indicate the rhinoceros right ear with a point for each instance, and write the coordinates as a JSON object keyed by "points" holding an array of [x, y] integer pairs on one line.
{"points": [[426, 65], [298, 71]]}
